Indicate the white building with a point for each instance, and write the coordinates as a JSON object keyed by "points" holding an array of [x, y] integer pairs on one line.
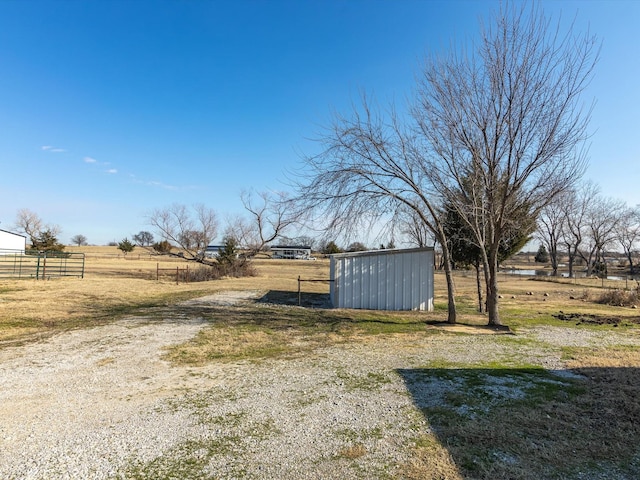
{"points": [[383, 279], [12, 242], [213, 251], [293, 252]]}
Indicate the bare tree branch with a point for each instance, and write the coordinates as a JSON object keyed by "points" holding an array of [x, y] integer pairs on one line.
{"points": [[189, 230], [506, 127], [270, 215]]}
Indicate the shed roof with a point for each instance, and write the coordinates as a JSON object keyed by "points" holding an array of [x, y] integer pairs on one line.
{"points": [[13, 233], [387, 251]]}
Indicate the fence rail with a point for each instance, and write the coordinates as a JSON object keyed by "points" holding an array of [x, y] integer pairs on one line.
{"points": [[40, 265], [177, 272], [301, 280]]}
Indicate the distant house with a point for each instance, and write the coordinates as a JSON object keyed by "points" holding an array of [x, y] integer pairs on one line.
{"points": [[12, 242], [394, 279], [292, 252], [213, 251]]}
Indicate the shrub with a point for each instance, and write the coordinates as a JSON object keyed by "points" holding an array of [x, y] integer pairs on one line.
{"points": [[215, 272], [162, 247], [620, 298]]}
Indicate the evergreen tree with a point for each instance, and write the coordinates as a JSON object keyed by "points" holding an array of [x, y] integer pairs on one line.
{"points": [[229, 253], [126, 246], [465, 252], [542, 256], [331, 248], [47, 241]]}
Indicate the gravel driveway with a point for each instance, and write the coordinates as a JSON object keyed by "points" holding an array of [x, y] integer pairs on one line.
{"points": [[101, 403]]}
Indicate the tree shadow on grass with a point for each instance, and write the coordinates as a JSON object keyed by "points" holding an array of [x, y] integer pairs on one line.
{"points": [[278, 310], [308, 300], [529, 423]]}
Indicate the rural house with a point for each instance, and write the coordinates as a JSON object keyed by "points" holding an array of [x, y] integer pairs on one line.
{"points": [[292, 252]]}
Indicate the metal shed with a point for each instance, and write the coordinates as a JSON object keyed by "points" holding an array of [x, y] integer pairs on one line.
{"points": [[12, 242], [383, 279]]}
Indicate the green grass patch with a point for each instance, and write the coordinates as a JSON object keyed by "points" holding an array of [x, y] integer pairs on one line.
{"points": [[255, 332], [371, 381]]}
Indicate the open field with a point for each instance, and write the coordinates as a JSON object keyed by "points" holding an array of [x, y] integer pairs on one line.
{"points": [[118, 375]]}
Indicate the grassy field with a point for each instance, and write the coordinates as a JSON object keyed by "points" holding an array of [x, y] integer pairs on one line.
{"points": [[553, 429]]}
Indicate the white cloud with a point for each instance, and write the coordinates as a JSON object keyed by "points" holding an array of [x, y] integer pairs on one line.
{"points": [[49, 148], [162, 185], [112, 171], [90, 160]]}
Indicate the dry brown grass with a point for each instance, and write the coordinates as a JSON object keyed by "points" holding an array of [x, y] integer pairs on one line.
{"points": [[353, 452], [115, 285], [431, 461]]}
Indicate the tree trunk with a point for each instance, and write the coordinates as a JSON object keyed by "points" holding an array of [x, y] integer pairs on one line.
{"points": [[451, 289], [553, 254], [479, 285], [492, 288], [571, 256]]}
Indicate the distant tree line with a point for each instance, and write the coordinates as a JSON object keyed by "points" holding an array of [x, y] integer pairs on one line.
{"points": [[586, 226]]}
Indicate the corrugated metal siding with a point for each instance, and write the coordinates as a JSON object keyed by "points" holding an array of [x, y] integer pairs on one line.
{"points": [[383, 280]]}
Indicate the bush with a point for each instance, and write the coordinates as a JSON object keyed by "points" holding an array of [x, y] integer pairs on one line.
{"points": [[215, 272], [162, 247], [619, 298]]}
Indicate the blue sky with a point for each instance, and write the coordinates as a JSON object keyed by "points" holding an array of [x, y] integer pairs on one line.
{"points": [[110, 109]]}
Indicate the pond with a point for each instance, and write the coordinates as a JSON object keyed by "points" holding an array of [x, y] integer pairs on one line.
{"points": [[547, 273]]}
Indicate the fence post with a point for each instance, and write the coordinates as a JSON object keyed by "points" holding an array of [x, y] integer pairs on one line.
{"points": [[299, 294], [177, 275], [158, 272]]}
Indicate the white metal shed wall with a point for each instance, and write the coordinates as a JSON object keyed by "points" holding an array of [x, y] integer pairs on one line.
{"points": [[12, 241], [383, 279]]}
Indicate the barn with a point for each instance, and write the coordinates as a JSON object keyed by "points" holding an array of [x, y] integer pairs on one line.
{"points": [[398, 279], [11, 242]]}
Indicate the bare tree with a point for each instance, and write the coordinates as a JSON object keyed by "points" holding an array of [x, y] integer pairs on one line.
{"points": [[368, 173], [575, 206], [413, 229], [604, 216], [143, 238], [269, 214], [551, 226], [628, 235], [79, 240], [505, 126], [30, 223], [190, 230]]}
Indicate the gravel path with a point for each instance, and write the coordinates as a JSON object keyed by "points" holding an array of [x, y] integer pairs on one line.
{"points": [[101, 403]]}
